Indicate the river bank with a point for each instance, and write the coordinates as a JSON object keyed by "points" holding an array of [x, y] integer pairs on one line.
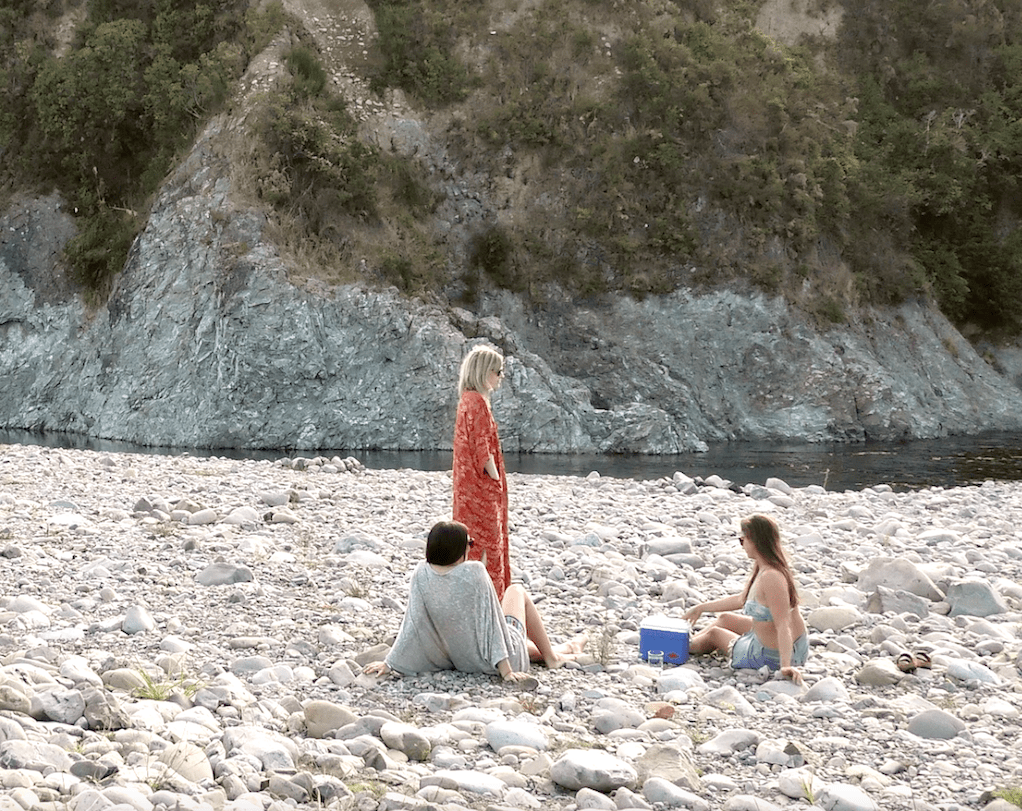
{"points": [[190, 633], [947, 462]]}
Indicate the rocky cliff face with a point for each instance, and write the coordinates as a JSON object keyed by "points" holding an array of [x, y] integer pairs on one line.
{"points": [[206, 342]]}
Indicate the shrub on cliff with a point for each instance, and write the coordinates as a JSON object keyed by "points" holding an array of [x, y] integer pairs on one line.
{"points": [[327, 187], [104, 121]]}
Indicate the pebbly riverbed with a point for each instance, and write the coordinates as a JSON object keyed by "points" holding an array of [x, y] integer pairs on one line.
{"points": [[187, 633]]}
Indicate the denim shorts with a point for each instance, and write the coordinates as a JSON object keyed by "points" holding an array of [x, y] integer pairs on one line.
{"points": [[748, 651]]}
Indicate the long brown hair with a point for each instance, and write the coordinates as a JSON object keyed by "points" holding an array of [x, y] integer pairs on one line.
{"points": [[762, 532]]}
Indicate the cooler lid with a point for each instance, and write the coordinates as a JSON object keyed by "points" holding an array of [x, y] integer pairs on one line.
{"points": [[660, 622]]}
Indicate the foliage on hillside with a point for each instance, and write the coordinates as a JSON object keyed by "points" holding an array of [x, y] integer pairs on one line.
{"points": [[904, 156], [941, 114], [331, 193], [672, 140], [104, 121]]}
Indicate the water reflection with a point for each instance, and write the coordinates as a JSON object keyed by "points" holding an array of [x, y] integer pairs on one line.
{"points": [[946, 462]]}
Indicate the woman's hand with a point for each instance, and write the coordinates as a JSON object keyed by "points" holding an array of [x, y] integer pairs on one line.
{"points": [[693, 614], [792, 673], [377, 669], [514, 676], [490, 468]]}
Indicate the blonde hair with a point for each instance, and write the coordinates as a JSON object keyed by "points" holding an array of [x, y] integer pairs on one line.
{"points": [[476, 366]]}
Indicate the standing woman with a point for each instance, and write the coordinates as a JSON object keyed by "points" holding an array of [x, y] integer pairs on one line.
{"points": [[770, 630], [479, 480]]}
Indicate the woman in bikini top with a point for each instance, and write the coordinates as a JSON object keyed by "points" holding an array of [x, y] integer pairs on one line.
{"points": [[754, 637]]}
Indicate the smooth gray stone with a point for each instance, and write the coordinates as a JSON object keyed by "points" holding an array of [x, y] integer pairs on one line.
{"points": [[975, 598], [407, 739], [515, 733], [658, 791], [324, 717], [936, 724], [224, 574], [898, 574], [34, 756], [58, 704], [470, 780], [885, 600], [592, 768], [671, 763]]}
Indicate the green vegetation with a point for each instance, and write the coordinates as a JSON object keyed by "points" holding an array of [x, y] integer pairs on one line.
{"points": [[902, 157], [105, 121], [646, 145], [417, 42], [332, 193], [1011, 795], [941, 126], [162, 690]]}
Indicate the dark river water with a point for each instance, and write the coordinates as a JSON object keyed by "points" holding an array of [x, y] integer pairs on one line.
{"points": [[948, 462]]}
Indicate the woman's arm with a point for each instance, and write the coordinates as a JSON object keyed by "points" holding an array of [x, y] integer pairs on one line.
{"points": [[478, 423], [773, 590], [507, 674], [730, 603]]}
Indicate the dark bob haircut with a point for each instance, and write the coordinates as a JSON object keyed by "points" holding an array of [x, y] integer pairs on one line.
{"points": [[446, 543]]}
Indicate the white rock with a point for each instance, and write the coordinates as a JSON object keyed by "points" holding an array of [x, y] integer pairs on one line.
{"points": [[592, 768]]}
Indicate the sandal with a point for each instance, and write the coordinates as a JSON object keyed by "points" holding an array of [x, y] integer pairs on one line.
{"points": [[922, 659], [905, 663]]}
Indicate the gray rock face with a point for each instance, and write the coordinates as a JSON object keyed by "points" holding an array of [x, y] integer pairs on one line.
{"points": [[205, 342]]}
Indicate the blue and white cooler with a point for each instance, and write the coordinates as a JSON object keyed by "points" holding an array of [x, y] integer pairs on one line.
{"points": [[667, 634]]}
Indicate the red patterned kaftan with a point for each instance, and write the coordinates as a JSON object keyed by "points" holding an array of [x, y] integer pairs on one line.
{"points": [[480, 503]]}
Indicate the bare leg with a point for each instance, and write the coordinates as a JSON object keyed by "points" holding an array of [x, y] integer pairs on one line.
{"points": [[735, 623], [711, 639], [518, 604], [719, 634]]}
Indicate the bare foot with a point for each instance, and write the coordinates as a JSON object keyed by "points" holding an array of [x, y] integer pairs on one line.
{"points": [[558, 659], [577, 644], [567, 651]]}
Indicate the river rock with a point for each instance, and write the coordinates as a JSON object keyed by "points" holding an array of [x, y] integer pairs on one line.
{"points": [[843, 797], [935, 724], [975, 598], [592, 768], [670, 763], [898, 574], [407, 739], [515, 733], [323, 717], [879, 672], [658, 791], [222, 574], [469, 781], [885, 600], [188, 761], [260, 684]]}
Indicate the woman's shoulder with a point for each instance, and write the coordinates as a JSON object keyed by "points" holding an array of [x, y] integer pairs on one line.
{"points": [[471, 397], [421, 570], [472, 569], [472, 573], [771, 578]]}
